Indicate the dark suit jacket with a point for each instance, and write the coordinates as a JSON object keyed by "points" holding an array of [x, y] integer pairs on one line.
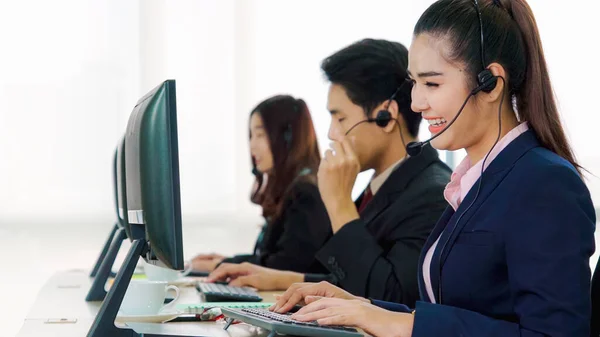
{"points": [[291, 241], [376, 256], [517, 264]]}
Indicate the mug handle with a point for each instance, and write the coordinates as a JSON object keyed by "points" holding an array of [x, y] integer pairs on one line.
{"points": [[169, 306]]}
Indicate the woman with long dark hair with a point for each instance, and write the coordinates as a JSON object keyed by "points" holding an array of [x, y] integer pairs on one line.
{"points": [[285, 159], [510, 255]]}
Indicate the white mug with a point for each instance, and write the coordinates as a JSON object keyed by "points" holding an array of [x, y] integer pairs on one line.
{"points": [[147, 298], [156, 273]]}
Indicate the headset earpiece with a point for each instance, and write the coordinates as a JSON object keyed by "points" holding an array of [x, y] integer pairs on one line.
{"points": [[486, 81], [287, 136], [383, 118]]}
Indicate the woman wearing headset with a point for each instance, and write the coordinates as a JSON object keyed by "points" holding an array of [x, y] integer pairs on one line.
{"points": [[285, 156], [510, 256]]}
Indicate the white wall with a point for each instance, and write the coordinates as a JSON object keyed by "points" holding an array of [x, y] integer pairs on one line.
{"points": [[193, 42], [68, 72], [71, 71]]}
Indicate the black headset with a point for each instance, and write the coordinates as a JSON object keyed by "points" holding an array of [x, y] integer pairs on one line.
{"points": [[287, 133], [287, 136], [487, 82], [383, 117]]}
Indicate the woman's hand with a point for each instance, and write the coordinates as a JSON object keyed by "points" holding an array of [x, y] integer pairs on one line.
{"points": [[206, 262], [261, 278], [297, 293], [355, 313]]}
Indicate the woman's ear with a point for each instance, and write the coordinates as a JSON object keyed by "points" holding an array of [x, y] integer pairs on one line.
{"points": [[495, 95]]}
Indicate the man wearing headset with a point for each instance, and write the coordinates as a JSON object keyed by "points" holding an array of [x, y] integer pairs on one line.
{"points": [[376, 255]]}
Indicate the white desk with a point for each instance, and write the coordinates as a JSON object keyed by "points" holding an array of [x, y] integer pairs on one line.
{"points": [[63, 296]]}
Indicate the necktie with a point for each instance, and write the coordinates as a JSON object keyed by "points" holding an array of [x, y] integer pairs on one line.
{"points": [[367, 196]]}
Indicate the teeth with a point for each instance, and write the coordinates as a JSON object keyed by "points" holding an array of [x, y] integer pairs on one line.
{"points": [[437, 121]]}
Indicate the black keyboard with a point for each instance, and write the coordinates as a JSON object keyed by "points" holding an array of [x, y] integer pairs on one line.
{"points": [[222, 293], [283, 324], [285, 318]]}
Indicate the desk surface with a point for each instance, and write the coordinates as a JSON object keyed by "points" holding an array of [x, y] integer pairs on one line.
{"points": [[63, 296]]}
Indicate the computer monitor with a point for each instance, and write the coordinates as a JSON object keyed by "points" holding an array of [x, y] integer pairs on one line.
{"points": [[103, 268], [152, 175], [152, 198], [121, 188]]}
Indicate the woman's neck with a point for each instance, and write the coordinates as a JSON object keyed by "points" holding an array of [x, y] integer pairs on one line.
{"points": [[478, 151]]}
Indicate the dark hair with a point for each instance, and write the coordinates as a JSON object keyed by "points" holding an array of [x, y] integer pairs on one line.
{"points": [[370, 71], [293, 142], [511, 38]]}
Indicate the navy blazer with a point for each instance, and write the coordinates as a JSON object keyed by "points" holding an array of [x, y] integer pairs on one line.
{"points": [[517, 264]]}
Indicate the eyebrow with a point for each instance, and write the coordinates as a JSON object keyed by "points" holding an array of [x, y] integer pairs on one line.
{"points": [[426, 74]]}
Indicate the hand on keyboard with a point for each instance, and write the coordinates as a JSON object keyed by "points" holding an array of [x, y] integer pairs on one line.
{"points": [[248, 274], [297, 293], [372, 319], [285, 318]]}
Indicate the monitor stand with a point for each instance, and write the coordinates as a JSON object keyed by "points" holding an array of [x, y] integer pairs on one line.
{"points": [[97, 292], [104, 251], [104, 323]]}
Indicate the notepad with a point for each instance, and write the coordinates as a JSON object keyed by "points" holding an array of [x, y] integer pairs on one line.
{"points": [[198, 308]]}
